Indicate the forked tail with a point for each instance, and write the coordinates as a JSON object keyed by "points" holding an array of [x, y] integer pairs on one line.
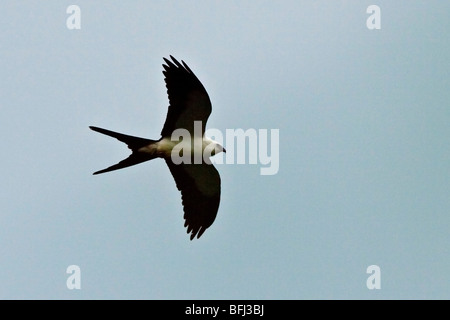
{"points": [[134, 143]]}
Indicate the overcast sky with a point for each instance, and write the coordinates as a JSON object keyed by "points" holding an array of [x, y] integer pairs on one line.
{"points": [[364, 153]]}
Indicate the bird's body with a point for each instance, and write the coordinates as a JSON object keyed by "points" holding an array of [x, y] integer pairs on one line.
{"points": [[183, 146], [196, 146]]}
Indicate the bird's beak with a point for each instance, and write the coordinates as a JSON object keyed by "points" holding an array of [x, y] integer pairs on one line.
{"points": [[224, 150]]}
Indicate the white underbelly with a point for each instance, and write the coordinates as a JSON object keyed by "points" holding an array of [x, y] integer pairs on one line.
{"points": [[192, 146], [165, 147]]}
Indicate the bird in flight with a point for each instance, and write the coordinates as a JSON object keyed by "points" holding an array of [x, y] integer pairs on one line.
{"points": [[184, 147]]}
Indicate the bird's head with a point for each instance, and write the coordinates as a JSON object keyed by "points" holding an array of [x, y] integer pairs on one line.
{"points": [[212, 147]]}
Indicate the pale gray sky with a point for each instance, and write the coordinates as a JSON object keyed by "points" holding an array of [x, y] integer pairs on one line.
{"points": [[364, 169]]}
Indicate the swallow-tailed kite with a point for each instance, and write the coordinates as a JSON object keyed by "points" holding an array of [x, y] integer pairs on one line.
{"points": [[198, 180]]}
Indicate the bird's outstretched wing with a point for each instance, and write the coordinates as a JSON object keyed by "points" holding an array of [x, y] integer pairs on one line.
{"points": [[200, 192], [188, 99]]}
